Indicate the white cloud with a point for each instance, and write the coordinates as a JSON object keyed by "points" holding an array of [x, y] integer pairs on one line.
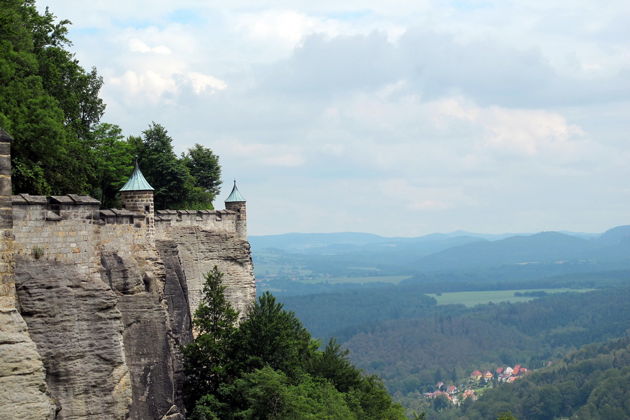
{"points": [[259, 154], [521, 131], [285, 26], [136, 45], [528, 131], [205, 83], [155, 86], [149, 85]]}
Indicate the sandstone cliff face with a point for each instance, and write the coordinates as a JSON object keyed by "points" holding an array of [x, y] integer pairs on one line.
{"points": [[23, 389], [200, 250], [150, 350], [75, 322], [108, 309]]}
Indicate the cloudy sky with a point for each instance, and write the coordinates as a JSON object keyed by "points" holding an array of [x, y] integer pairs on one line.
{"points": [[394, 117]]}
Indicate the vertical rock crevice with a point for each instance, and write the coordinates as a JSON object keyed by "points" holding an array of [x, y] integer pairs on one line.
{"points": [[150, 349]]}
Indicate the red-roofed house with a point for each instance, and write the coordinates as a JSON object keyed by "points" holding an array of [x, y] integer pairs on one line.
{"points": [[469, 393]]}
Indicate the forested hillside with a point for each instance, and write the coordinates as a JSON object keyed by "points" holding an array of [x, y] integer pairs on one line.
{"points": [[412, 343], [590, 384], [413, 354]]}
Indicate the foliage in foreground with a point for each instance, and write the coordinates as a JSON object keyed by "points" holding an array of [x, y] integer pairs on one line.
{"points": [[269, 367]]}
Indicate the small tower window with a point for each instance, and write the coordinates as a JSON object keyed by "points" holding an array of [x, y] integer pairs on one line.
{"points": [[147, 208]]}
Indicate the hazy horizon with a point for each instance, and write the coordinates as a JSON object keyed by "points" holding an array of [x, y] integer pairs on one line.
{"points": [[455, 232]]}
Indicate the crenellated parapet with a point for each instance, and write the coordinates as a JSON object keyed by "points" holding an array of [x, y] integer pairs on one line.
{"points": [[220, 221], [85, 209], [55, 208]]}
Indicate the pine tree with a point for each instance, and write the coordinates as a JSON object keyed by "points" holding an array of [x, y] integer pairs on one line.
{"points": [[207, 357]]}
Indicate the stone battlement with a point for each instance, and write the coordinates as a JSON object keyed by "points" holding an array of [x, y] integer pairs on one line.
{"points": [[224, 221], [39, 208]]}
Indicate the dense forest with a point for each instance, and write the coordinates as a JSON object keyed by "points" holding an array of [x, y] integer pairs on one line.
{"points": [[50, 106], [334, 310]]}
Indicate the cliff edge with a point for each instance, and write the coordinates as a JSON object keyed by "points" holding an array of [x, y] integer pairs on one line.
{"points": [[95, 304]]}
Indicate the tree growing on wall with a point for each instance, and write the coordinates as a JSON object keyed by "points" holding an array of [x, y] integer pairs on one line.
{"points": [[112, 158], [165, 172], [204, 166]]}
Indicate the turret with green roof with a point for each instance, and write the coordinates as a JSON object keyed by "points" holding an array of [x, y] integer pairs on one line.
{"points": [[137, 182], [137, 196], [236, 202]]}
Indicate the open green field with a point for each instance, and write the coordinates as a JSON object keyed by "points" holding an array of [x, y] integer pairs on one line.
{"points": [[495, 296]]}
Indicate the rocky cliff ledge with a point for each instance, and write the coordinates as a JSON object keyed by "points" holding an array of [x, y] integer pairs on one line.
{"points": [[103, 309]]}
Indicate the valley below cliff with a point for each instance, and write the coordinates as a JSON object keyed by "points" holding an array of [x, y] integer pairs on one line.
{"points": [[461, 304]]}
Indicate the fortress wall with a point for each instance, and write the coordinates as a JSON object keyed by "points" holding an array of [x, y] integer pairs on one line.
{"points": [[92, 295], [40, 236], [212, 220]]}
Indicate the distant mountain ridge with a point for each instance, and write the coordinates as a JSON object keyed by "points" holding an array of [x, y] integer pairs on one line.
{"points": [[337, 255], [539, 248], [300, 241]]}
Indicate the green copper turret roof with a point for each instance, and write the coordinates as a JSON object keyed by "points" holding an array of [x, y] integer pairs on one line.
{"points": [[235, 196], [137, 182]]}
